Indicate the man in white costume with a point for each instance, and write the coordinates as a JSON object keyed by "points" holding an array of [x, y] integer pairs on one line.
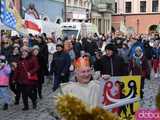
{"points": [[85, 89]]}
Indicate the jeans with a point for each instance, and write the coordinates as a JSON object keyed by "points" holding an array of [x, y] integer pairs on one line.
{"points": [[5, 95]]}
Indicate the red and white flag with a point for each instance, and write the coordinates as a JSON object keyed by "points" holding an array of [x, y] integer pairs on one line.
{"points": [[32, 25]]}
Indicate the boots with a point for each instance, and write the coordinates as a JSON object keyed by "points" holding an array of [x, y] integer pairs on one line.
{"points": [[5, 106], [16, 103], [25, 108], [34, 105]]}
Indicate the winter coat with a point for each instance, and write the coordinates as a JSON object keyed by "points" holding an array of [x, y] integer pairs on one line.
{"points": [[43, 55], [113, 65], [123, 52], [77, 47], [4, 75], [147, 51], [29, 64], [42, 68], [6, 51], [139, 69], [13, 58], [60, 63], [90, 47]]}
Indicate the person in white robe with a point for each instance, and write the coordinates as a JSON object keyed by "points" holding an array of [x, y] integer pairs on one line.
{"points": [[85, 88]]}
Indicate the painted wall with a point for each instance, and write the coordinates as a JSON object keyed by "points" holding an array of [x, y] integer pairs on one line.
{"points": [[140, 22]]}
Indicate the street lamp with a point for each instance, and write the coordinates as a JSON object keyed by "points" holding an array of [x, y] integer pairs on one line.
{"points": [[137, 25]]}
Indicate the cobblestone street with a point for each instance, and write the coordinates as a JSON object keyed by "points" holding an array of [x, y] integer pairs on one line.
{"points": [[44, 109], [45, 106]]}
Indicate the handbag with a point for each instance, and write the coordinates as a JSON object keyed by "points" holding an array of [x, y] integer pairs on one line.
{"points": [[33, 77]]}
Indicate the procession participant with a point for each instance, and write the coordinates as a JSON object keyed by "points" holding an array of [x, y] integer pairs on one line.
{"points": [[26, 77], [35, 53], [111, 63], [5, 71], [155, 58], [60, 66], [139, 66], [13, 60], [85, 88], [6, 47]]}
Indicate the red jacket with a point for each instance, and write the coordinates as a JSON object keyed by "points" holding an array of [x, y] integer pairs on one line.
{"points": [[29, 64]]}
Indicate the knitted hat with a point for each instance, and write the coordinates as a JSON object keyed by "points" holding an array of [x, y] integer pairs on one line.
{"points": [[25, 48], [110, 47], [35, 47]]}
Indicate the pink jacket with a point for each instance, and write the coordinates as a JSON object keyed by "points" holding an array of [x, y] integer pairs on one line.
{"points": [[4, 75]]}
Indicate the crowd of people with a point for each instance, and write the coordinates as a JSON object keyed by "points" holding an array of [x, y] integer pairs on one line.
{"points": [[25, 61]]}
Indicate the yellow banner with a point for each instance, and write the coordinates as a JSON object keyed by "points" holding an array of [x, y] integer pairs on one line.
{"points": [[121, 95]]}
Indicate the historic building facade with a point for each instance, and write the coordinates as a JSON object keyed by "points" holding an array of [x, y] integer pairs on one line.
{"points": [[78, 10], [101, 15], [140, 16]]}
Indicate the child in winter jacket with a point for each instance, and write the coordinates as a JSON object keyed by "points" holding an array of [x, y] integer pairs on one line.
{"points": [[5, 71], [156, 59]]}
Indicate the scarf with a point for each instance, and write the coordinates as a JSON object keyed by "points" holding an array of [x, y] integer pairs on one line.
{"points": [[137, 59]]}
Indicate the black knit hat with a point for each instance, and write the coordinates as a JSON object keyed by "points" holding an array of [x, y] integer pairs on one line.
{"points": [[110, 47]]}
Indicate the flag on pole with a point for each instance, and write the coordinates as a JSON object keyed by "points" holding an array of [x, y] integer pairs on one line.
{"points": [[123, 28], [10, 16], [32, 24]]}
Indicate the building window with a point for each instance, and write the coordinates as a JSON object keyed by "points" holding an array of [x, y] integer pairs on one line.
{"points": [[115, 7], [109, 6], [128, 7], [75, 2], [142, 6], [69, 2], [81, 3], [154, 5]]}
